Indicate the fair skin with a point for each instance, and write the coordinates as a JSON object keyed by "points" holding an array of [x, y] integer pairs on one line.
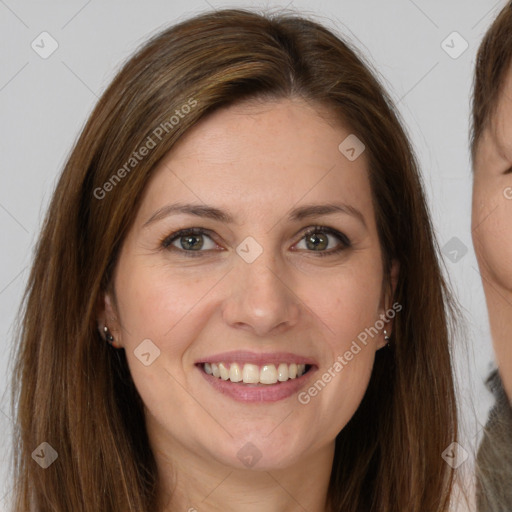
{"points": [[491, 222], [255, 161]]}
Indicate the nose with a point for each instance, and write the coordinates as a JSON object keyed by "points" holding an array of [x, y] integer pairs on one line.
{"points": [[260, 298]]}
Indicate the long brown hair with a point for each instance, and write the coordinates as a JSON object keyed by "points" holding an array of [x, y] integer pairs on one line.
{"points": [[75, 392]]}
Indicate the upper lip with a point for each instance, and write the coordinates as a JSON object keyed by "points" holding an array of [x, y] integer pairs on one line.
{"points": [[243, 356]]}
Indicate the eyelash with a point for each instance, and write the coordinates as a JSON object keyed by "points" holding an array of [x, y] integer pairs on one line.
{"points": [[166, 242]]}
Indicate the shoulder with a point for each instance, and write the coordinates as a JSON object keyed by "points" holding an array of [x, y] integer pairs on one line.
{"points": [[494, 457], [501, 413]]}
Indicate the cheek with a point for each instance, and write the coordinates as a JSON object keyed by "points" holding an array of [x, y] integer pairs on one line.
{"points": [[352, 304], [155, 301], [349, 299], [493, 241], [338, 388], [347, 305], [166, 308]]}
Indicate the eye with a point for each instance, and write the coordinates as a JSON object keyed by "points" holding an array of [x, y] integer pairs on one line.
{"points": [[188, 241], [317, 239]]}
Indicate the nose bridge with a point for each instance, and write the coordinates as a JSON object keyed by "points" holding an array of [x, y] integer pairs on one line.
{"points": [[260, 274], [264, 275], [260, 298]]}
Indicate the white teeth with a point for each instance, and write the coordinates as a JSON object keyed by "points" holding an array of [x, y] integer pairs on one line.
{"points": [[235, 375], [253, 374], [268, 374], [224, 372], [282, 372]]}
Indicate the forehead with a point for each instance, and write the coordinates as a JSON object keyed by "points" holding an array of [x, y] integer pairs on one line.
{"points": [[279, 150], [290, 128]]}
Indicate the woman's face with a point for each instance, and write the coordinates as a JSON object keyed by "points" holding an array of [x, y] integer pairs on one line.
{"points": [[492, 224], [250, 290]]}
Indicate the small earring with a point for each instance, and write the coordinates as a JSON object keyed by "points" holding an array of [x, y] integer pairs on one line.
{"points": [[386, 337], [108, 337]]}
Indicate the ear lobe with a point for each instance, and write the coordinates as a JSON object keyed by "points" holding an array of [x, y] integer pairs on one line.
{"points": [[107, 317], [388, 299]]}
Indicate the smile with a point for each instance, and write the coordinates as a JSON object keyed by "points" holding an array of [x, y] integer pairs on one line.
{"points": [[257, 377], [255, 374]]}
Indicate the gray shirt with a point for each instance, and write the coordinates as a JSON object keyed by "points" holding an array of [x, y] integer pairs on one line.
{"points": [[494, 458]]}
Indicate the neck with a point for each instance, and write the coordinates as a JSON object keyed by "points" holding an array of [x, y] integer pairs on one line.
{"points": [[499, 306]]}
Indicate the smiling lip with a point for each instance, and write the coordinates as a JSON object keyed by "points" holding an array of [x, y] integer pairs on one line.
{"points": [[242, 356], [258, 392]]}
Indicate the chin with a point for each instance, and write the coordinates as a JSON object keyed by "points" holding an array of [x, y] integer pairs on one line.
{"points": [[260, 453]]}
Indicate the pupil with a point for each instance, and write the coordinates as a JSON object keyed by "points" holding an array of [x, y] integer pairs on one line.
{"points": [[189, 244], [317, 241]]}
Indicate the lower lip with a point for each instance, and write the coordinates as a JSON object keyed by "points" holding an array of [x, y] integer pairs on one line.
{"points": [[260, 392]]}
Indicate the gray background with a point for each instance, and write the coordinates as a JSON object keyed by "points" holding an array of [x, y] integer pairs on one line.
{"points": [[44, 104]]}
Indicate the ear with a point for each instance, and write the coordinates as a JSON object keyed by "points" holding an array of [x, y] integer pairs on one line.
{"points": [[395, 271], [107, 316], [386, 304]]}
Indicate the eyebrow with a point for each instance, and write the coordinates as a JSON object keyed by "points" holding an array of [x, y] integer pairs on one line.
{"points": [[210, 212]]}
